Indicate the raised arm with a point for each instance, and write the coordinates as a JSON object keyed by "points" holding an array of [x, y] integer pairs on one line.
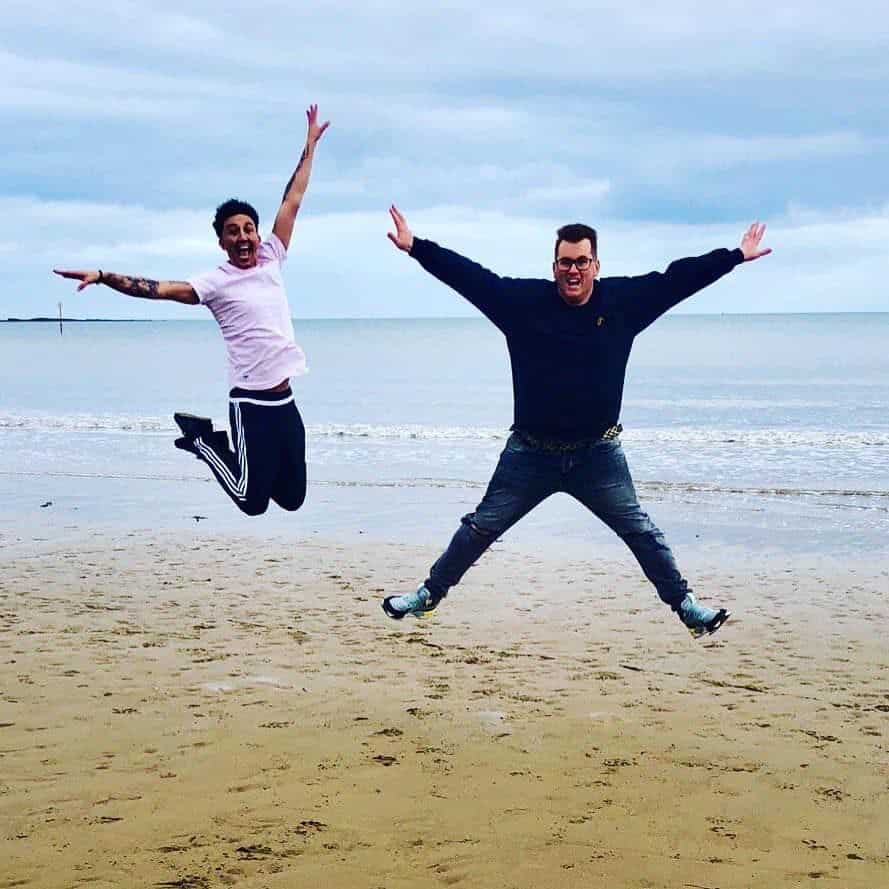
{"points": [[482, 287], [751, 240], [659, 291], [299, 181], [402, 237], [177, 291]]}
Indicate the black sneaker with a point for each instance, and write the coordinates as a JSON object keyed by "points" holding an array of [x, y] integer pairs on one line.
{"points": [[194, 427], [187, 444]]}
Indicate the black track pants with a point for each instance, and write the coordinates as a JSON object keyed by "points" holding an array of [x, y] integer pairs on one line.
{"points": [[269, 457]]}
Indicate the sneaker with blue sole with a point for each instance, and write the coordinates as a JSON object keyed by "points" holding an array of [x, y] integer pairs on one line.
{"points": [[700, 620], [420, 604]]}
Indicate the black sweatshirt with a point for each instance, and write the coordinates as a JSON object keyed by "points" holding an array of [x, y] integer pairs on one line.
{"points": [[569, 362]]}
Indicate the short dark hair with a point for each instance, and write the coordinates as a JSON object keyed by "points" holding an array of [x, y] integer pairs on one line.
{"points": [[233, 207], [574, 234]]}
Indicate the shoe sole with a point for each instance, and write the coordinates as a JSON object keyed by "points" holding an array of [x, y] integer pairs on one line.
{"points": [[712, 627], [185, 422], [389, 611]]}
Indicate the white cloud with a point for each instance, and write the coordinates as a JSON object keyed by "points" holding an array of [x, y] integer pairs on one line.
{"points": [[126, 122], [673, 154], [90, 89], [387, 42], [342, 265], [590, 190]]}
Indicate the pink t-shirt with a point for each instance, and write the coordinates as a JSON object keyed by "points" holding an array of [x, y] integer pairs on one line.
{"points": [[250, 307]]}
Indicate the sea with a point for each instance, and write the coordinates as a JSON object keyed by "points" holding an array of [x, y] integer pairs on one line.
{"points": [[754, 433]]}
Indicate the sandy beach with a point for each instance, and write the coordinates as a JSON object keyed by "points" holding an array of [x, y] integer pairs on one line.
{"points": [[187, 712]]}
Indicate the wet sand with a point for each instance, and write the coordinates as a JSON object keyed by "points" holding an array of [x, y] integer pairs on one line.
{"points": [[191, 713]]}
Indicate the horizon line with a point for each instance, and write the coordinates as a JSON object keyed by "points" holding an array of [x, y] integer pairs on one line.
{"points": [[46, 319]]}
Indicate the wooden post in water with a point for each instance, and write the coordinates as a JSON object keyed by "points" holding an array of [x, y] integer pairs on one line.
{"points": [[60, 319]]}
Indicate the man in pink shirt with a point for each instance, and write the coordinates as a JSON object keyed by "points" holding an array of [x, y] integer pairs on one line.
{"points": [[247, 298]]}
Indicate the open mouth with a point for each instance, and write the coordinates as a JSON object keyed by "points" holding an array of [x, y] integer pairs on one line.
{"points": [[243, 253], [572, 287]]}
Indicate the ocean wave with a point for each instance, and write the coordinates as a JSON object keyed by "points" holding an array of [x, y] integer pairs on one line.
{"points": [[405, 432], [111, 423], [115, 423], [761, 491], [672, 435], [739, 403], [766, 437]]}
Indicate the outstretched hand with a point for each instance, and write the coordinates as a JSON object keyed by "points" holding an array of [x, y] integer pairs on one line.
{"points": [[85, 278], [750, 242], [315, 131], [403, 238]]}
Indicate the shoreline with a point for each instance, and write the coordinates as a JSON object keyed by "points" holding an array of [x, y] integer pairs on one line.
{"points": [[700, 528]]}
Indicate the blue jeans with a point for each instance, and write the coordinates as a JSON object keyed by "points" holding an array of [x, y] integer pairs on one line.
{"points": [[597, 475]]}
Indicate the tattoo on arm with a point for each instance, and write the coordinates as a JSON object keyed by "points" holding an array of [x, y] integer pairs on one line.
{"points": [[144, 287], [299, 166]]}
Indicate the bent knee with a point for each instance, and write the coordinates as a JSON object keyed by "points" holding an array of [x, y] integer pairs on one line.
{"points": [[292, 505], [253, 508], [479, 527], [642, 527]]}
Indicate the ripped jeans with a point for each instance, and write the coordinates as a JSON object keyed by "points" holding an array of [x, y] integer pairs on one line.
{"points": [[597, 475]]}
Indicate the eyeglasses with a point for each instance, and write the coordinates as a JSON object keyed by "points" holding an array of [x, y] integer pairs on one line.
{"points": [[582, 263]]}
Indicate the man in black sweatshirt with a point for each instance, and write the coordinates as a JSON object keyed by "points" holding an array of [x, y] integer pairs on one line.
{"points": [[569, 341]]}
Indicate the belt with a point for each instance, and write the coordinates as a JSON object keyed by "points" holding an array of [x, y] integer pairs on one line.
{"points": [[557, 446]]}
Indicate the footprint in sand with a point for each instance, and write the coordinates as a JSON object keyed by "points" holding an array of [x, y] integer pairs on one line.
{"points": [[385, 760], [390, 732]]}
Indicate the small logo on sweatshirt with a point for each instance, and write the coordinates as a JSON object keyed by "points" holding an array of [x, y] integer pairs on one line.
{"points": [[600, 321]]}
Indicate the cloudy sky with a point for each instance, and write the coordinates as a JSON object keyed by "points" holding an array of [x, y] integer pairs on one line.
{"points": [[668, 126]]}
